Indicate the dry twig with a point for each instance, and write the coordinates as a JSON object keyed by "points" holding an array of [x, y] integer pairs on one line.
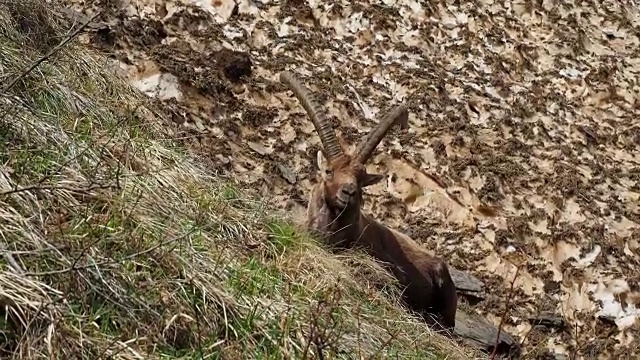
{"points": [[504, 314], [57, 48]]}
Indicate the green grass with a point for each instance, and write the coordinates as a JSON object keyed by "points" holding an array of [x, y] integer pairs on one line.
{"points": [[117, 243]]}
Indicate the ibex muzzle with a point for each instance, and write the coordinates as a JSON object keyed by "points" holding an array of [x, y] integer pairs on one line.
{"points": [[343, 180]]}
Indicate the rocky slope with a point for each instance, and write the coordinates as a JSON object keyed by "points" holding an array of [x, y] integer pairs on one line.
{"points": [[522, 151]]}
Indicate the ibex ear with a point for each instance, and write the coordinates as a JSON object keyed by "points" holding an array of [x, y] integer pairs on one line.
{"points": [[370, 179], [322, 163]]}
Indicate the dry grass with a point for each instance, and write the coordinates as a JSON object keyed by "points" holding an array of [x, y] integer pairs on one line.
{"points": [[118, 244]]}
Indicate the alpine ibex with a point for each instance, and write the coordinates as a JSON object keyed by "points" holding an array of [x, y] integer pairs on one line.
{"points": [[334, 212]]}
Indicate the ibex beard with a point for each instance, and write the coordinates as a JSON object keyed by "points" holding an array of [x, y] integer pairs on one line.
{"points": [[335, 214]]}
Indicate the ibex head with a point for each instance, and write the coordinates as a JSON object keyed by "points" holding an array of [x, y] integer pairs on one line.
{"points": [[344, 175]]}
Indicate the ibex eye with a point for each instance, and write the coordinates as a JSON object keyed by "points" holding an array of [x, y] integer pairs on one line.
{"points": [[328, 172]]}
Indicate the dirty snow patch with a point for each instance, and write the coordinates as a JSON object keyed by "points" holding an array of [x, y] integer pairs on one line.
{"points": [[612, 306], [220, 9], [163, 86]]}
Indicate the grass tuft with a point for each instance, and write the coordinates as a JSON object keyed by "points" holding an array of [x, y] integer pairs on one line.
{"points": [[117, 243], [282, 235]]}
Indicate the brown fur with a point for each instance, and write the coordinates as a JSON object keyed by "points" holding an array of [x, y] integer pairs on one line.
{"points": [[429, 288], [334, 212]]}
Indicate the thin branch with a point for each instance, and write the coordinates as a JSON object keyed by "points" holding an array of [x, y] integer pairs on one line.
{"points": [[41, 181], [111, 262], [383, 346], [83, 190], [57, 48], [504, 314], [13, 264], [359, 331]]}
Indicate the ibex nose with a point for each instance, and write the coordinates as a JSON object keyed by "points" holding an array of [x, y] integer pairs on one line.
{"points": [[349, 189]]}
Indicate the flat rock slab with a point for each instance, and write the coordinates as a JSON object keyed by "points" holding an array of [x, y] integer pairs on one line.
{"points": [[480, 334], [466, 283]]}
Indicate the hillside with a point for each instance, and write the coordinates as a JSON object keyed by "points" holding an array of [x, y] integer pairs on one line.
{"points": [[521, 160], [117, 242]]}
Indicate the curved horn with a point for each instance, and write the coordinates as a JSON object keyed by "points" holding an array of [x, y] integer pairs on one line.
{"points": [[327, 135], [399, 115]]}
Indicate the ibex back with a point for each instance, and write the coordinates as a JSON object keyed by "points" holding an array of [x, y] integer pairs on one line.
{"points": [[334, 213]]}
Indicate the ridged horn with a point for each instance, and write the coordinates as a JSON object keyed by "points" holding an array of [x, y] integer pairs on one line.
{"points": [[327, 135], [399, 115]]}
